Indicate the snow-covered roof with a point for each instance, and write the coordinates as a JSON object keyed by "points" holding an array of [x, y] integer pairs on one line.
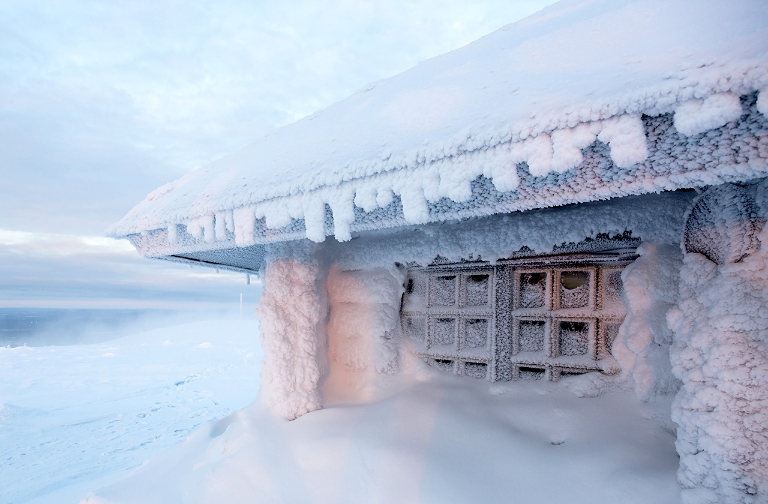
{"points": [[538, 92]]}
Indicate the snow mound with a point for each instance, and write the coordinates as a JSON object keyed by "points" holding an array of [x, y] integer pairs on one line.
{"points": [[440, 440]]}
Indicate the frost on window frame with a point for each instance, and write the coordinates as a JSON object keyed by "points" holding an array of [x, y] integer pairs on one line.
{"points": [[532, 318]]}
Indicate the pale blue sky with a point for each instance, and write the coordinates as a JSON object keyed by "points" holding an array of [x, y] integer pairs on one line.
{"points": [[102, 102]]}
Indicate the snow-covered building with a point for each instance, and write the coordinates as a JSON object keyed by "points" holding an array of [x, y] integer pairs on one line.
{"points": [[582, 191]]}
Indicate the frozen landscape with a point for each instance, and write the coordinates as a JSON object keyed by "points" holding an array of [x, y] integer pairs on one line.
{"points": [[531, 269], [75, 418], [74, 415], [432, 438]]}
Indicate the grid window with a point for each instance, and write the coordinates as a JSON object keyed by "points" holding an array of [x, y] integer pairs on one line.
{"points": [[538, 318]]}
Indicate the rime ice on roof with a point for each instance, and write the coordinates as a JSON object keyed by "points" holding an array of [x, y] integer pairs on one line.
{"points": [[535, 92]]}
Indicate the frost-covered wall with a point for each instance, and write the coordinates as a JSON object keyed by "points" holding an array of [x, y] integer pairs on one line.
{"points": [[292, 312], [642, 345], [365, 318], [654, 218], [720, 350]]}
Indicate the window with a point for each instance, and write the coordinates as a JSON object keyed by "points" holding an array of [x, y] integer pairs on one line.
{"points": [[532, 318]]}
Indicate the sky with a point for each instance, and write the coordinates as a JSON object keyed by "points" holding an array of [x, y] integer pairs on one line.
{"points": [[102, 102]]}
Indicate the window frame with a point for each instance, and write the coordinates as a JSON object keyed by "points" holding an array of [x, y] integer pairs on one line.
{"points": [[501, 354]]}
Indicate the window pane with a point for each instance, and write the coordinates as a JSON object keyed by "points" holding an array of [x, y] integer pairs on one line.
{"points": [[476, 333], [443, 331], [476, 369], [533, 290], [610, 332], [477, 290], [531, 335], [574, 338], [613, 288], [415, 329], [530, 373], [444, 291], [574, 289], [443, 364]]}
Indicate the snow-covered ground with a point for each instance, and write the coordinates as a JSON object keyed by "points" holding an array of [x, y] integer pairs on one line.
{"points": [[77, 420], [73, 418], [430, 438]]}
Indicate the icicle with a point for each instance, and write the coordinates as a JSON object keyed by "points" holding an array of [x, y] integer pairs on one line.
{"points": [[567, 144], [538, 153], [173, 233], [244, 220], [341, 201], [415, 209], [762, 102], [206, 222], [221, 226], [697, 116], [276, 214], [626, 137], [314, 216], [247, 279], [365, 196], [384, 196], [502, 170], [194, 228]]}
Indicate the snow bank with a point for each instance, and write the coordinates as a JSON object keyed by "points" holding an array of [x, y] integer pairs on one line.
{"points": [[642, 345], [442, 440], [721, 353], [534, 93], [292, 313]]}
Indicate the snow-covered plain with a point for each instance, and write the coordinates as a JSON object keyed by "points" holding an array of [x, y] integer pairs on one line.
{"points": [[432, 437], [75, 417]]}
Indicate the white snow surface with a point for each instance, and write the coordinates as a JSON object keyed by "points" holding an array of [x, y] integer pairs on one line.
{"points": [[74, 416], [537, 91], [431, 438]]}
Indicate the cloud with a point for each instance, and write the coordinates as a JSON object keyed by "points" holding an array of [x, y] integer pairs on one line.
{"points": [[102, 102], [56, 270]]}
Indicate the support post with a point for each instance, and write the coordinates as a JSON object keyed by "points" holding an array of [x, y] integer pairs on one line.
{"points": [[292, 314]]}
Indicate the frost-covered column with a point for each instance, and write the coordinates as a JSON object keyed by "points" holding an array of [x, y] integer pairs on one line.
{"points": [[365, 318], [292, 314], [642, 345], [720, 351]]}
